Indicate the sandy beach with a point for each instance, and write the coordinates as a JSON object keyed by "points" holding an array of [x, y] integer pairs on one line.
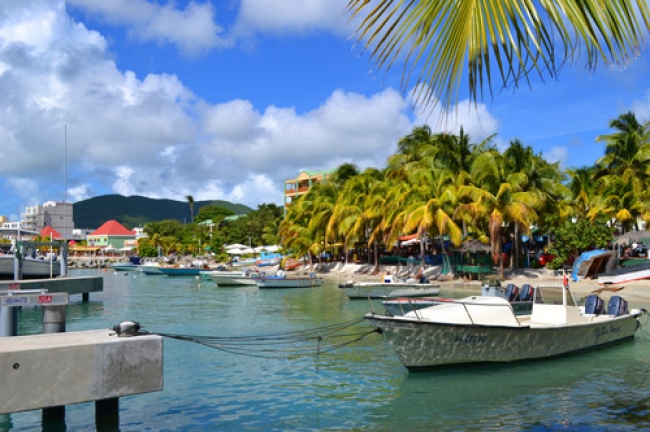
{"points": [[637, 292]]}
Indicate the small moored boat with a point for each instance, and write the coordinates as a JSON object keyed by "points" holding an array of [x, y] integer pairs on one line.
{"points": [[389, 287], [283, 281], [481, 329], [33, 268], [521, 299], [231, 278]]}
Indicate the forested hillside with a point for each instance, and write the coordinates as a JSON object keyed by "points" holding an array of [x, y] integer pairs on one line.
{"points": [[137, 210]]}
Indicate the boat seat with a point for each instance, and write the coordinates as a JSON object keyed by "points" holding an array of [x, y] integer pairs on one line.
{"points": [[526, 293], [512, 291], [617, 306], [594, 305]]}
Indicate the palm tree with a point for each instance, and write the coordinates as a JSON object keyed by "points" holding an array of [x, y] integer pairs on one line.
{"points": [[433, 200], [190, 201], [530, 172], [348, 219], [623, 176], [442, 40], [496, 197]]}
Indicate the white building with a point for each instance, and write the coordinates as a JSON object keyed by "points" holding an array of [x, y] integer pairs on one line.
{"points": [[57, 215]]}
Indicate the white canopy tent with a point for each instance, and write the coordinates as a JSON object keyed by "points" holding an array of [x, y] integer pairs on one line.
{"points": [[235, 246], [240, 251], [271, 248]]}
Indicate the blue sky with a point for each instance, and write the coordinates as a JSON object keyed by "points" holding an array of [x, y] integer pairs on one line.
{"points": [[227, 99]]}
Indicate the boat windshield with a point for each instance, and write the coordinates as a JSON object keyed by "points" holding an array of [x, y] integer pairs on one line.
{"points": [[552, 294]]}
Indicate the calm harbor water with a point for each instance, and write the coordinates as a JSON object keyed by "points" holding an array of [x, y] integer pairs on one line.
{"points": [[361, 386]]}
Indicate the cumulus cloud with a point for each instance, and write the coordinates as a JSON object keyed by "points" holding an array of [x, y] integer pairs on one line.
{"points": [[193, 28], [66, 105], [641, 108], [293, 16]]}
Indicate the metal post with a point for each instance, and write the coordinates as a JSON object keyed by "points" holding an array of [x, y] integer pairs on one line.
{"points": [[64, 260], [54, 319], [53, 322], [18, 262], [8, 321], [107, 414]]}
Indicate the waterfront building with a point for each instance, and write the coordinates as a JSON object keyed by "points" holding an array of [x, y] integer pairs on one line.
{"points": [[58, 215], [300, 185], [112, 235]]}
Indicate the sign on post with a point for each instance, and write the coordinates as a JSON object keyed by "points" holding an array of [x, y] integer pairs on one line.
{"points": [[24, 298]]}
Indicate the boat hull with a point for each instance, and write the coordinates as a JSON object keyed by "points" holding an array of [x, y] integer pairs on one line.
{"points": [[125, 267], [33, 268], [422, 345], [237, 279], [625, 274], [389, 290], [181, 271], [151, 270], [309, 282]]}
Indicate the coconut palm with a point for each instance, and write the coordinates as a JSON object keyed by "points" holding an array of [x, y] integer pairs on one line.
{"points": [[621, 200], [496, 197], [530, 172], [348, 220], [581, 185], [433, 200], [496, 43]]}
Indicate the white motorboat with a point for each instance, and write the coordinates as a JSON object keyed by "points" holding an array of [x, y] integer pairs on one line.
{"points": [[520, 299], [230, 278], [481, 329], [390, 287], [625, 274], [151, 268], [133, 264], [33, 268], [310, 281]]}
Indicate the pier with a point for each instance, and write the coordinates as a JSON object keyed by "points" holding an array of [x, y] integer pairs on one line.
{"points": [[83, 285], [51, 370]]}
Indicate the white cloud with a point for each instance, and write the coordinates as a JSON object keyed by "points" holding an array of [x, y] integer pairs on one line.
{"points": [[293, 16], [79, 193], [641, 108], [152, 136], [193, 28], [557, 154]]}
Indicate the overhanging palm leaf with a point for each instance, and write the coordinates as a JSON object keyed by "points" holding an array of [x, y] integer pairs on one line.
{"points": [[443, 39]]}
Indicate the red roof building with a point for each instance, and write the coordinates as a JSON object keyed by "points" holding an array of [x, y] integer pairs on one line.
{"points": [[50, 232], [111, 235]]}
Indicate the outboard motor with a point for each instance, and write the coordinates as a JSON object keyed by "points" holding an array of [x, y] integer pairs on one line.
{"points": [[617, 306], [526, 293], [512, 291], [594, 305]]}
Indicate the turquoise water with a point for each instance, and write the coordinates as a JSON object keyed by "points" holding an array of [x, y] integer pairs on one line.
{"points": [[361, 386]]}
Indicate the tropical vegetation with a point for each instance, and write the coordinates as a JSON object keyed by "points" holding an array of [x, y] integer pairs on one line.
{"points": [[445, 187]]}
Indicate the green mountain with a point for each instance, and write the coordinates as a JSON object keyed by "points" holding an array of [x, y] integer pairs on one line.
{"points": [[137, 210]]}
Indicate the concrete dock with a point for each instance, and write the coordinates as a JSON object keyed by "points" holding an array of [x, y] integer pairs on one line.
{"points": [[83, 285], [58, 369]]}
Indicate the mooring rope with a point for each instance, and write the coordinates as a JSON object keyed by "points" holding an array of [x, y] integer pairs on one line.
{"points": [[641, 330], [281, 345]]}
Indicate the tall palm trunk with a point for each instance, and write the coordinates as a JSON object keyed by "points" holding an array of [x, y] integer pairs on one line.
{"points": [[376, 252], [517, 246], [422, 252]]}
